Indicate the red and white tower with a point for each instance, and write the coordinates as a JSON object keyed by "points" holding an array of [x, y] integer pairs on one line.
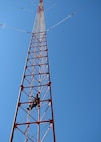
{"points": [[34, 118]]}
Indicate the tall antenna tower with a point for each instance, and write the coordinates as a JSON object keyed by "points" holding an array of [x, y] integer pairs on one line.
{"points": [[34, 118]]}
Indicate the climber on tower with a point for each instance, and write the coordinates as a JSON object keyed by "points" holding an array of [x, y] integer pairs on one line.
{"points": [[34, 102]]}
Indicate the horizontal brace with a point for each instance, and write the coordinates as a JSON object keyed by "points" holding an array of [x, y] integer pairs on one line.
{"points": [[33, 46], [37, 122], [37, 86], [33, 87], [38, 74], [40, 50], [38, 57], [37, 65], [49, 100]]}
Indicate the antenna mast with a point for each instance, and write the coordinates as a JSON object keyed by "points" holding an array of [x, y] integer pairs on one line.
{"points": [[34, 118]]}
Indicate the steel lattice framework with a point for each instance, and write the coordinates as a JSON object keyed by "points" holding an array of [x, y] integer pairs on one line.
{"points": [[35, 123]]}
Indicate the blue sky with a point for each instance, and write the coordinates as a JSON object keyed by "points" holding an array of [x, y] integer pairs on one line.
{"points": [[75, 63]]}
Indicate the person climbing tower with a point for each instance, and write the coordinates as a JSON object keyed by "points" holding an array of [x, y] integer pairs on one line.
{"points": [[34, 103]]}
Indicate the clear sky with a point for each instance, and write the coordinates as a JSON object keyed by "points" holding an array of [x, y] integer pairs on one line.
{"points": [[75, 63]]}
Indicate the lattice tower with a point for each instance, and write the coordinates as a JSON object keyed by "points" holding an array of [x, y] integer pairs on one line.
{"points": [[34, 119]]}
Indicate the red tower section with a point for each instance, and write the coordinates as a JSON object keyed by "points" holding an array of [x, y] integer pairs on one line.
{"points": [[34, 119]]}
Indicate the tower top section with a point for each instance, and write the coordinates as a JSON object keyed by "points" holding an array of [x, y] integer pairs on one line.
{"points": [[40, 7], [39, 24]]}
